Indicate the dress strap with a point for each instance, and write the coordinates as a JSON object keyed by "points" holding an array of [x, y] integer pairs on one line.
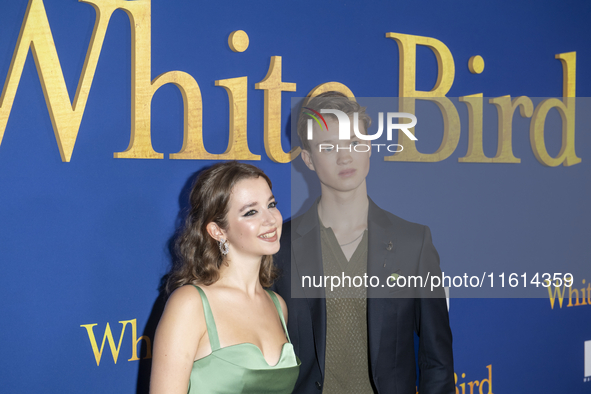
{"points": [[280, 312], [212, 330]]}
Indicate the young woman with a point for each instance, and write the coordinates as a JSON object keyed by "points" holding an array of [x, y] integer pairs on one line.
{"points": [[221, 331]]}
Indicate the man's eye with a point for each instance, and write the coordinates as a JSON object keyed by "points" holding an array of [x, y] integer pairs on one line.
{"points": [[273, 204], [250, 213], [355, 143], [326, 149]]}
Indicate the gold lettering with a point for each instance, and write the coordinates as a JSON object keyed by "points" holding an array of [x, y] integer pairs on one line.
{"points": [[65, 117], [135, 340], [36, 34], [552, 295], [331, 87], [471, 384], [192, 148], [273, 86], [572, 290], [238, 41], [566, 108], [140, 141], [142, 88], [569, 73], [109, 337], [475, 153], [237, 143], [584, 298], [408, 94], [506, 109], [489, 381]]}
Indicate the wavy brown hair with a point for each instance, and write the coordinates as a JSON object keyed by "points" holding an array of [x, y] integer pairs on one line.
{"points": [[199, 256]]}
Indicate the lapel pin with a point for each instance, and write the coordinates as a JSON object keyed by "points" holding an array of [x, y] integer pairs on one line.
{"points": [[389, 247]]}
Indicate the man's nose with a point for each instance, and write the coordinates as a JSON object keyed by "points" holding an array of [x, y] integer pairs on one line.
{"points": [[344, 155]]}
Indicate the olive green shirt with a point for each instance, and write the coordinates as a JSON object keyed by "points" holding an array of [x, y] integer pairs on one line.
{"points": [[346, 363]]}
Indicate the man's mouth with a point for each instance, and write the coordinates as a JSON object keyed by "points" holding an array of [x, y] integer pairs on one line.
{"points": [[347, 172]]}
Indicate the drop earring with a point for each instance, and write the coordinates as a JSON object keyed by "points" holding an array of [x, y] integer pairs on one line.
{"points": [[224, 246]]}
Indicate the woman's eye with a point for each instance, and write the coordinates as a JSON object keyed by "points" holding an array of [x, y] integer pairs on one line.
{"points": [[273, 204], [250, 213]]}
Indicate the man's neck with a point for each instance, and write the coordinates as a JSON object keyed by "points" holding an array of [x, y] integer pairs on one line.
{"points": [[344, 210]]}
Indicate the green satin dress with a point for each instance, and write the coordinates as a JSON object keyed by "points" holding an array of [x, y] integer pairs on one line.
{"points": [[242, 368]]}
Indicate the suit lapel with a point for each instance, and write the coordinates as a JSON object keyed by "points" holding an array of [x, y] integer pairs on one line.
{"points": [[308, 261], [380, 263]]}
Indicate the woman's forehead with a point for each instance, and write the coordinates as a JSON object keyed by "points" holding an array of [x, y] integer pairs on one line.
{"points": [[251, 189]]}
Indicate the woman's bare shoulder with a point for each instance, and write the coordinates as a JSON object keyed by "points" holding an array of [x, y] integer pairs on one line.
{"points": [[186, 293], [177, 339], [184, 308]]}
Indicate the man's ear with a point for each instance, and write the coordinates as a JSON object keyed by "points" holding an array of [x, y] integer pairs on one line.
{"points": [[215, 231], [307, 158]]}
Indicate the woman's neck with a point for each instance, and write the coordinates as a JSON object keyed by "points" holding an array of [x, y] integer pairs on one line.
{"points": [[241, 273]]}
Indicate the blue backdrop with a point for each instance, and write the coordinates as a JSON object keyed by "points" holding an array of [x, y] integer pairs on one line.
{"points": [[84, 243]]}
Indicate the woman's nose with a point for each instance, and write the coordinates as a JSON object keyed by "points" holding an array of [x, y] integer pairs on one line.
{"points": [[270, 217]]}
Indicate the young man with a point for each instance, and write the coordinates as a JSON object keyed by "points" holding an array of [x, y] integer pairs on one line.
{"points": [[358, 339]]}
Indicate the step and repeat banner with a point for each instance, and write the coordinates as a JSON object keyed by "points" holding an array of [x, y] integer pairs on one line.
{"points": [[110, 108]]}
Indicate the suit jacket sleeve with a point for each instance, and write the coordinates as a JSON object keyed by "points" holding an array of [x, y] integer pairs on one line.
{"points": [[432, 326]]}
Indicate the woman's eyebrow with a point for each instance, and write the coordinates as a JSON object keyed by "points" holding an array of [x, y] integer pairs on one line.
{"points": [[246, 206], [252, 204]]}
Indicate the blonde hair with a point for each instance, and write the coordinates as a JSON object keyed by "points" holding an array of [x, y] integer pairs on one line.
{"points": [[329, 100]]}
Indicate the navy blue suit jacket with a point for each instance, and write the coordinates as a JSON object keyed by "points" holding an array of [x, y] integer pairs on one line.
{"points": [[395, 246]]}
